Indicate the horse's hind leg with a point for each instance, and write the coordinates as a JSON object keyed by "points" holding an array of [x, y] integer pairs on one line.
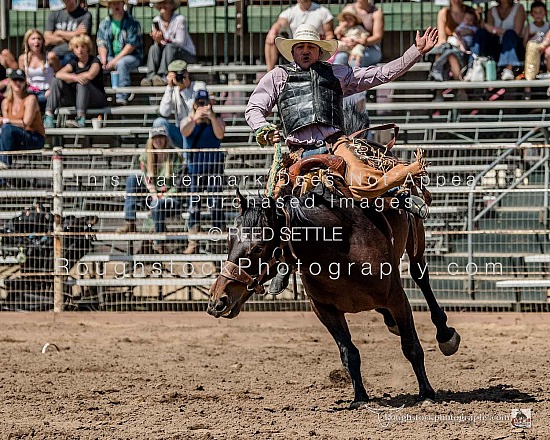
{"points": [[336, 324], [402, 313], [389, 321], [447, 337]]}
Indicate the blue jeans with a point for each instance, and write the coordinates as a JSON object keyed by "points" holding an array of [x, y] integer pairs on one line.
{"points": [[160, 208], [42, 99], [14, 138], [214, 203], [124, 68], [508, 52], [174, 132], [341, 58], [371, 56]]}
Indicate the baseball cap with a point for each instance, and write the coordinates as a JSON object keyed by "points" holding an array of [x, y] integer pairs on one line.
{"points": [[177, 66], [202, 94], [17, 74], [157, 131]]}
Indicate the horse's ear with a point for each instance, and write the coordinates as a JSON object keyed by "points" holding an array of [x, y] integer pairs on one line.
{"points": [[242, 201]]}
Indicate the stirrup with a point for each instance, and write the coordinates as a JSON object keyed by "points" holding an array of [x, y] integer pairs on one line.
{"points": [[417, 206], [279, 283]]}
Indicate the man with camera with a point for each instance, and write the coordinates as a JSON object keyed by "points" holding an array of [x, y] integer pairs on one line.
{"points": [[177, 100]]}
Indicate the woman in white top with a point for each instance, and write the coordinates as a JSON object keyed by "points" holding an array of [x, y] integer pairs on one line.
{"points": [[501, 38], [171, 42], [34, 62]]}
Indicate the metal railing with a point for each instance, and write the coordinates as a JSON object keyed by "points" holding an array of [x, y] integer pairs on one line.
{"points": [[482, 216]]}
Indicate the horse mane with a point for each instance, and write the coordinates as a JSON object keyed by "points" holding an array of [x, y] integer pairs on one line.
{"points": [[255, 213], [355, 120], [303, 215]]}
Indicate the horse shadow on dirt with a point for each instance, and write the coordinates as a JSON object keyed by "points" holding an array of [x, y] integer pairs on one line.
{"points": [[495, 393]]}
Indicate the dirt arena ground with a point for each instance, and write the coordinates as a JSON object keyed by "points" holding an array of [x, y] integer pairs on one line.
{"points": [[265, 376]]}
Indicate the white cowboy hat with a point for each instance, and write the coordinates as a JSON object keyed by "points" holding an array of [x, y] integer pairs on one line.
{"points": [[306, 33]]}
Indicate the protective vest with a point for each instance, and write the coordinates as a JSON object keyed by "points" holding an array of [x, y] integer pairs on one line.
{"points": [[310, 97]]}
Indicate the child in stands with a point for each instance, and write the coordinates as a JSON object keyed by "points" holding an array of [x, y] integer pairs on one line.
{"points": [[350, 34], [79, 83]]}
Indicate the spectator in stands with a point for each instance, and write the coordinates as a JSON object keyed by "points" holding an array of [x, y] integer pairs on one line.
{"points": [[7, 61], [34, 62], [204, 129], [457, 47], [372, 20], [22, 127], [501, 37], [304, 12], [172, 42], [156, 180], [61, 27], [351, 36], [545, 49], [177, 101], [79, 83], [539, 27], [119, 44], [449, 58]]}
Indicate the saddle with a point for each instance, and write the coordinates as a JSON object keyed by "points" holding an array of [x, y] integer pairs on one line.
{"points": [[327, 169]]}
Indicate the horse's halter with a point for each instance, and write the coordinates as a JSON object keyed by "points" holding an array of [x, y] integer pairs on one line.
{"points": [[233, 272]]}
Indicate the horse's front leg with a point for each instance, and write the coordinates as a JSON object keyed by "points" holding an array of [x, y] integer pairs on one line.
{"points": [[336, 324]]}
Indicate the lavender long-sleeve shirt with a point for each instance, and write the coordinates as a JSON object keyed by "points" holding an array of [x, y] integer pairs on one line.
{"points": [[355, 80]]}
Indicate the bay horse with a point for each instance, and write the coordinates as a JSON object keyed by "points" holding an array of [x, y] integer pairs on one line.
{"points": [[368, 250], [369, 237]]}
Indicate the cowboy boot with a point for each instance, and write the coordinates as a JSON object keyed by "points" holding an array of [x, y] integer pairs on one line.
{"points": [[279, 283], [129, 226], [192, 245]]}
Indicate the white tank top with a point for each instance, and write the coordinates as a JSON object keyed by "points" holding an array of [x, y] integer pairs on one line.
{"points": [[508, 22], [39, 77], [534, 29]]}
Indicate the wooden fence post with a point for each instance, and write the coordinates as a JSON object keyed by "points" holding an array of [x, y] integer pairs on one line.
{"points": [[57, 162]]}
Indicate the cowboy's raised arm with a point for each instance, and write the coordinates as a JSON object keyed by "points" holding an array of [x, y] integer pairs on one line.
{"points": [[359, 79], [264, 97]]}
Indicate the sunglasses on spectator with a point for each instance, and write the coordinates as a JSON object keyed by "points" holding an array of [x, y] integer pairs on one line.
{"points": [[202, 103]]}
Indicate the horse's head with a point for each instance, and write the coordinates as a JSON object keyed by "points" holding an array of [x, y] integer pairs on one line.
{"points": [[254, 252]]}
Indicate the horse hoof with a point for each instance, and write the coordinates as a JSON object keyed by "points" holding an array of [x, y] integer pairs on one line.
{"points": [[451, 346], [358, 404], [394, 329]]}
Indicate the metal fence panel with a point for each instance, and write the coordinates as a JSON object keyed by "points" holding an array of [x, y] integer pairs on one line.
{"points": [[79, 201]]}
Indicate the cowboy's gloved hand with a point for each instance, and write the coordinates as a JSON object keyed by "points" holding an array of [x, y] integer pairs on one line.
{"points": [[268, 135]]}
